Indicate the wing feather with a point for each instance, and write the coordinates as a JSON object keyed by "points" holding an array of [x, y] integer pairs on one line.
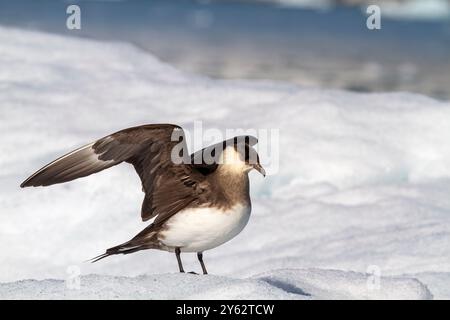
{"points": [[76, 164], [148, 148]]}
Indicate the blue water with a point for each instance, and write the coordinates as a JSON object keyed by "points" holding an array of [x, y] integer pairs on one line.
{"points": [[278, 40]]}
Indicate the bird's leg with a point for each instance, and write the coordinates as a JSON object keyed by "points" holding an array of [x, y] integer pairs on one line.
{"points": [[180, 265], [200, 258]]}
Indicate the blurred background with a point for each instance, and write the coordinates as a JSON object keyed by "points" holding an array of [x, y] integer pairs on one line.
{"points": [[316, 43]]}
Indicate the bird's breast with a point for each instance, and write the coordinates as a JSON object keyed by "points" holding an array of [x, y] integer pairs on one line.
{"points": [[204, 228]]}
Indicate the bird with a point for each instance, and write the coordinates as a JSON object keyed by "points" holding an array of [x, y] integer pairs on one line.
{"points": [[197, 202]]}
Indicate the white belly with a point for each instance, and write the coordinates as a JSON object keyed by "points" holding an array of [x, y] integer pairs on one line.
{"points": [[200, 229]]}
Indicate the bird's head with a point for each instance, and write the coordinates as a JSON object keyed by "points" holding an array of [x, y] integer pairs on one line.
{"points": [[240, 156]]}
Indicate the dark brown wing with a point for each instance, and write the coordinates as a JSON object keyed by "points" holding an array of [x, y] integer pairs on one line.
{"points": [[168, 186]]}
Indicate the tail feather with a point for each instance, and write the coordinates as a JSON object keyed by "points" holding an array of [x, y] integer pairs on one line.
{"points": [[125, 248], [99, 257], [141, 241]]}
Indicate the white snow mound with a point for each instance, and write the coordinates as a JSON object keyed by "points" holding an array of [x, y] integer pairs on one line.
{"points": [[278, 284]]}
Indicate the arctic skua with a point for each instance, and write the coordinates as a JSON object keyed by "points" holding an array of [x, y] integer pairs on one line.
{"points": [[197, 202]]}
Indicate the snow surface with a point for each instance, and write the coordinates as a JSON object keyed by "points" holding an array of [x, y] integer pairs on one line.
{"points": [[281, 284], [362, 185]]}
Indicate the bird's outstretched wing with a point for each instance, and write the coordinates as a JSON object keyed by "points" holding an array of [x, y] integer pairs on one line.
{"points": [[168, 186]]}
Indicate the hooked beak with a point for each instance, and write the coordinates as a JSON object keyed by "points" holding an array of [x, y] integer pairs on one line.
{"points": [[259, 168]]}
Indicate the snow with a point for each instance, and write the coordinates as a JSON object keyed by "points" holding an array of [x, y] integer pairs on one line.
{"points": [[362, 181], [280, 284]]}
